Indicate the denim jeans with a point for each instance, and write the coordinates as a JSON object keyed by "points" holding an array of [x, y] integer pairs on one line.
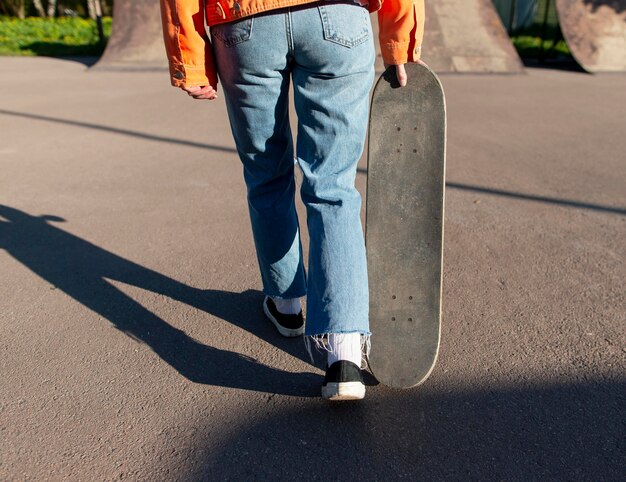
{"points": [[327, 51]]}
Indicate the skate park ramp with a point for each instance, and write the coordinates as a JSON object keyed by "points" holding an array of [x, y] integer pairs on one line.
{"points": [[136, 41], [461, 36], [595, 32], [467, 36]]}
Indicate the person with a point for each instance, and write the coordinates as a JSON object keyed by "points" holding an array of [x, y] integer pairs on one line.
{"points": [[258, 48]]}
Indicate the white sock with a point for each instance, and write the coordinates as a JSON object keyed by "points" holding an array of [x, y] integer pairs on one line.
{"points": [[344, 346], [289, 306]]}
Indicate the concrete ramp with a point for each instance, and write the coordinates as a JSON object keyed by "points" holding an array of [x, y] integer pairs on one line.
{"points": [[595, 31], [467, 36], [136, 41], [461, 36]]}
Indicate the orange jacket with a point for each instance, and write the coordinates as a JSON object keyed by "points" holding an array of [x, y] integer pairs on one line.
{"points": [[401, 28]]}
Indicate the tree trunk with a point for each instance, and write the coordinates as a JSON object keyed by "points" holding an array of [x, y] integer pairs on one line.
{"points": [[52, 8], [95, 8], [39, 7], [13, 8], [98, 8], [91, 7]]}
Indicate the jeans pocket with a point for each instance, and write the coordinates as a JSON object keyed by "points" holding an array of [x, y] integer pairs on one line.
{"points": [[345, 23], [232, 33]]}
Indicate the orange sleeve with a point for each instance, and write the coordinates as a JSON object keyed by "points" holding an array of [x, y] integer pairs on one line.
{"points": [[186, 43], [401, 30]]}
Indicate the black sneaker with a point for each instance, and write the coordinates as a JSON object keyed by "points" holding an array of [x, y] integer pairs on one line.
{"points": [[343, 381], [287, 325]]}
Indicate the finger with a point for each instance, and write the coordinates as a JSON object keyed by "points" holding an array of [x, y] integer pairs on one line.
{"points": [[201, 90], [204, 93], [401, 74], [191, 89], [196, 91], [207, 96]]}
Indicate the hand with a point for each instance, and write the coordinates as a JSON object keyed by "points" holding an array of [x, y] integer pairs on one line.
{"points": [[205, 92], [401, 72]]}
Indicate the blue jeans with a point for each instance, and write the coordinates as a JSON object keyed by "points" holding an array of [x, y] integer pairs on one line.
{"points": [[327, 50]]}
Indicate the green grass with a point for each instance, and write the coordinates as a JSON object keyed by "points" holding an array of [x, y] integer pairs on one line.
{"points": [[528, 40], [56, 37], [529, 46]]}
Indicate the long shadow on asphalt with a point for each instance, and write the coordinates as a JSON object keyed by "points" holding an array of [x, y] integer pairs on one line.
{"points": [[81, 270], [116, 130], [450, 185], [569, 431], [571, 203]]}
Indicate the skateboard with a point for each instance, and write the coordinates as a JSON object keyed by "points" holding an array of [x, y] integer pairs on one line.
{"points": [[404, 224]]}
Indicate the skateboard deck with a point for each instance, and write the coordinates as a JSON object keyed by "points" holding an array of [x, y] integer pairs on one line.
{"points": [[404, 224]]}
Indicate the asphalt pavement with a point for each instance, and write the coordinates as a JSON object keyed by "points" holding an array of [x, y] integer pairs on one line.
{"points": [[132, 340]]}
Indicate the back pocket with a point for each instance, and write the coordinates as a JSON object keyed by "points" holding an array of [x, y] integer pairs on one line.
{"points": [[233, 33], [346, 24]]}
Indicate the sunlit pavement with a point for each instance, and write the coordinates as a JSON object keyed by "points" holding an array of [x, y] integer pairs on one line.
{"points": [[132, 340]]}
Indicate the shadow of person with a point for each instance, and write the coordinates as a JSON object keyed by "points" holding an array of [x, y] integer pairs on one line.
{"points": [[82, 271]]}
